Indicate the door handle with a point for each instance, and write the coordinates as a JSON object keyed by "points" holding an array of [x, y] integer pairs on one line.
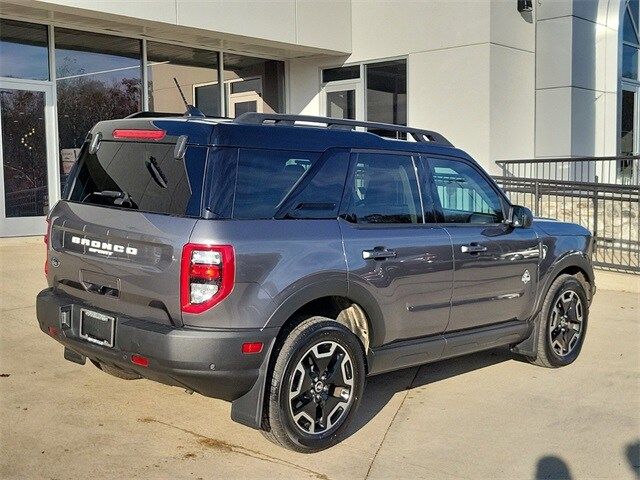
{"points": [[473, 248], [378, 253]]}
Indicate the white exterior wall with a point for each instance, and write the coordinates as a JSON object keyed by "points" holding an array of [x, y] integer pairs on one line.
{"points": [[577, 86], [470, 70]]}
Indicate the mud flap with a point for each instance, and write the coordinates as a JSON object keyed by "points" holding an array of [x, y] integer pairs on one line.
{"points": [[248, 409], [529, 346]]}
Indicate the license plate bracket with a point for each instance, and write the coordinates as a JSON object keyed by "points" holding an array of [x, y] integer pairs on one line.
{"points": [[97, 328]]}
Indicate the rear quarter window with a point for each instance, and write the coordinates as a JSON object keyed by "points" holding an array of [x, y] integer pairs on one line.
{"points": [[140, 176], [265, 178]]}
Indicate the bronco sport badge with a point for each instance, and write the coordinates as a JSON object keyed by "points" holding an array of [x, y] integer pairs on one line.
{"points": [[103, 248]]}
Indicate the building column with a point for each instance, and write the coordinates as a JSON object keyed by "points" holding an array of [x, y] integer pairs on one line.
{"points": [[576, 78]]}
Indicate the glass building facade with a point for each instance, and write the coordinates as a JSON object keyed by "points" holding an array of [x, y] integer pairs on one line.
{"points": [[56, 83]]}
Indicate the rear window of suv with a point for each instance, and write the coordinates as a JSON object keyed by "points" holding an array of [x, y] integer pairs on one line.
{"points": [[140, 176]]}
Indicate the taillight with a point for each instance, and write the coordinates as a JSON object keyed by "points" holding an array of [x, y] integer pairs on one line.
{"points": [[47, 237], [207, 275], [135, 134]]}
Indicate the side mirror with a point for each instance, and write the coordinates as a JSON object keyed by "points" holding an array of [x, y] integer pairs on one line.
{"points": [[520, 217]]}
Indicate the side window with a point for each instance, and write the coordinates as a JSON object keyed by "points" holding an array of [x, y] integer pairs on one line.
{"points": [[384, 189], [320, 198], [265, 178], [464, 194]]}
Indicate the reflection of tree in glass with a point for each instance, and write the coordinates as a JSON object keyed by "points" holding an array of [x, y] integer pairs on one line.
{"points": [[24, 152], [85, 99]]}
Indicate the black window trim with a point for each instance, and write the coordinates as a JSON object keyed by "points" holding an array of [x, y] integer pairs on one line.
{"points": [[505, 204], [353, 159]]}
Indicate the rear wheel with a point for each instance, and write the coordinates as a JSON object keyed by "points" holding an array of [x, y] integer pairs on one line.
{"points": [[563, 325], [317, 384]]}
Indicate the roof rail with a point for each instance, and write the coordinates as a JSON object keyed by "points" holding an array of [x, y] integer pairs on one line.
{"points": [[148, 114], [340, 123]]}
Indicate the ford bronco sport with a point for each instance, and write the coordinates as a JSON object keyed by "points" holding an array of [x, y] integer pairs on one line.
{"points": [[275, 261]]}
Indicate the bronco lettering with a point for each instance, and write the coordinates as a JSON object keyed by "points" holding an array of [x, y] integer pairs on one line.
{"points": [[103, 248]]}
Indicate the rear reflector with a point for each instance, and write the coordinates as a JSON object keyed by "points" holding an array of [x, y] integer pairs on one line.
{"points": [[122, 134], [53, 331], [139, 360], [252, 347]]}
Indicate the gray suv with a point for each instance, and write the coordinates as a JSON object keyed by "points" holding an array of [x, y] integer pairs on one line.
{"points": [[275, 261]]}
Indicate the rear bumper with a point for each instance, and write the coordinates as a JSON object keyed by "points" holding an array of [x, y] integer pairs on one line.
{"points": [[209, 362]]}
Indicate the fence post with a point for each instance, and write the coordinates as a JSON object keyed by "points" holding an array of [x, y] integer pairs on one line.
{"points": [[595, 216], [536, 192]]}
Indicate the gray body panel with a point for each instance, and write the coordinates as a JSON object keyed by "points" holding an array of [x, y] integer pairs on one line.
{"points": [[488, 286], [145, 284], [413, 289], [276, 260]]}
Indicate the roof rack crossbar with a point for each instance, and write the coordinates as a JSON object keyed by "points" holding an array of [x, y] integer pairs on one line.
{"points": [[419, 135]]}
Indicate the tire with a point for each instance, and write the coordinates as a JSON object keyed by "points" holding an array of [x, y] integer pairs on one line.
{"points": [[317, 346], [566, 306], [117, 372]]}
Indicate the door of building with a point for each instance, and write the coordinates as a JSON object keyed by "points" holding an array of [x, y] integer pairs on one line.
{"points": [[29, 173], [343, 99]]}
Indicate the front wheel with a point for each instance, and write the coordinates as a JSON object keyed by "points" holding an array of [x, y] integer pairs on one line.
{"points": [[317, 383], [563, 324]]}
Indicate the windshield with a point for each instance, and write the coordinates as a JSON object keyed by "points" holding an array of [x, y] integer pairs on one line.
{"points": [[140, 176]]}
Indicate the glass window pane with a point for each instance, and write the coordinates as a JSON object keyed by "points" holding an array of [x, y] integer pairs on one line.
{"points": [[320, 198], [23, 50], [384, 190], [256, 198], [340, 73], [196, 71], [627, 123], [341, 104], [628, 32], [249, 79], [633, 5], [387, 94], [629, 62], [24, 153], [98, 77], [464, 194], [145, 177]]}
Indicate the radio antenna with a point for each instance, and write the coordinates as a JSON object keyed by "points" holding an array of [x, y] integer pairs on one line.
{"points": [[191, 110]]}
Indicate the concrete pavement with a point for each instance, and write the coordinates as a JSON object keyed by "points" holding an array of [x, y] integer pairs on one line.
{"points": [[487, 415]]}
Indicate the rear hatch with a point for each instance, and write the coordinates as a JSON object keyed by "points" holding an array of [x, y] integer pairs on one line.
{"points": [[128, 209]]}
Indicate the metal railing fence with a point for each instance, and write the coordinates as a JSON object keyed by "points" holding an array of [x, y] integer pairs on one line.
{"points": [[601, 194]]}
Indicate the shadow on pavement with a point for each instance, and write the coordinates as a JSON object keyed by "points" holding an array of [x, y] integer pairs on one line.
{"points": [[380, 389], [552, 468], [632, 453]]}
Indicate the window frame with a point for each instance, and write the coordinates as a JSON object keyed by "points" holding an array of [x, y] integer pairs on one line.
{"points": [[348, 189], [433, 191], [362, 81]]}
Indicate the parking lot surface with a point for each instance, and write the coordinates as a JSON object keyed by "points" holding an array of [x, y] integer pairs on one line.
{"points": [[488, 415]]}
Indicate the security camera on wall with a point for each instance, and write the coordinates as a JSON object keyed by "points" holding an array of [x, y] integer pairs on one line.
{"points": [[525, 5]]}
